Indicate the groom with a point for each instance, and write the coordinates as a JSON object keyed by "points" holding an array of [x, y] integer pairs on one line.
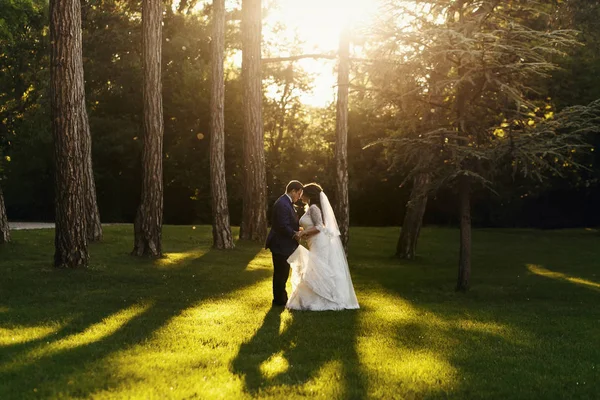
{"points": [[283, 239]]}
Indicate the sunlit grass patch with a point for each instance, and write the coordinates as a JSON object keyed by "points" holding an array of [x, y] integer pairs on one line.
{"points": [[173, 260], [329, 382], [22, 334], [539, 270], [275, 365], [102, 329], [262, 260]]}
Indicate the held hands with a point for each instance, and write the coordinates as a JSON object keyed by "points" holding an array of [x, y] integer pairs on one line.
{"points": [[305, 234], [298, 235]]}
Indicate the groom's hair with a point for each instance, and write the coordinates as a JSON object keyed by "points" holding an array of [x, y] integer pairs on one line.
{"points": [[293, 185]]}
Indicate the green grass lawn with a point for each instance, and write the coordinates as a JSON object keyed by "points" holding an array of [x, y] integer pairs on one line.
{"points": [[198, 323]]}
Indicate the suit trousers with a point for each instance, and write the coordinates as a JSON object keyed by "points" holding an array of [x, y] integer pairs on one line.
{"points": [[281, 272]]}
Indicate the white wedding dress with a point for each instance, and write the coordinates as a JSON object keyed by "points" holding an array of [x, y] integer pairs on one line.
{"points": [[320, 275]]}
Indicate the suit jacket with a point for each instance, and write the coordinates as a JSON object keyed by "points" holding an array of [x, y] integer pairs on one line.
{"points": [[284, 222]]}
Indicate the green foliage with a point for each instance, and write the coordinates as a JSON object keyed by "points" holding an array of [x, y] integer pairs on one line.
{"points": [[575, 83], [474, 70], [198, 323], [23, 85], [23, 67], [17, 18], [30, 183]]}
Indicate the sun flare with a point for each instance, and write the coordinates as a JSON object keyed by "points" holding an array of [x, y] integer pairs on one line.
{"points": [[317, 25], [320, 22]]}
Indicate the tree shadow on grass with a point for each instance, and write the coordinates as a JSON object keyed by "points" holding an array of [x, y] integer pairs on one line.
{"points": [[309, 352], [519, 333], [104, 312], [531, 340]]}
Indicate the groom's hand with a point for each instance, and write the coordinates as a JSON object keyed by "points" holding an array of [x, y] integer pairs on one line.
{"points": [[297, 236]]}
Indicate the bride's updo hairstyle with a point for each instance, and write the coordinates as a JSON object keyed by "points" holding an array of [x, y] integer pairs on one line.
{"points": [[313, 192]]}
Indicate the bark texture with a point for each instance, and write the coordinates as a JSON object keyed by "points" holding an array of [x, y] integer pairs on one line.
{"points": [[413, 219], [148, 221], [254, 218], [342, 208], [4, 228], [464, 263], [222, 238], [93, 225], [68, 106]]}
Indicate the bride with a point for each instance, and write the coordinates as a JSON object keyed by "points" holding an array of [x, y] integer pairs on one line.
{"points": [[320, 276]]}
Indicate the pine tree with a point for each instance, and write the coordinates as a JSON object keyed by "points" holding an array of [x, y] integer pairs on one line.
{"points": [[222, 238], [342, 209], [68, 107], [4, 228], [254, 213], [476, 65], [149, 218]]}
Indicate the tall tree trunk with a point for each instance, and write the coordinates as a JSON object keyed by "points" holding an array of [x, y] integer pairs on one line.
{"points": [[254, 218], [68, 104], [413, 218], [148, 220], [341, 128], [4, 228], [464, 264], [222, 238], [93, 226]]}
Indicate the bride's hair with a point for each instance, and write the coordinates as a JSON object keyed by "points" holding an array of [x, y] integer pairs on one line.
{"points": [[313, 192]]}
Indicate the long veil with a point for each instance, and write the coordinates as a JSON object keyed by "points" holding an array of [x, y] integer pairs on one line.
{"points": [[344, 290], [328, 216]]}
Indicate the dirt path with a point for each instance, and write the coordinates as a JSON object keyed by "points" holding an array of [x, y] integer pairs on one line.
{"points": [[31, 225]]}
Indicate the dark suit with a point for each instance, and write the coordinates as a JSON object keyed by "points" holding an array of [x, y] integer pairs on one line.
{"points": [[281, 242]]}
